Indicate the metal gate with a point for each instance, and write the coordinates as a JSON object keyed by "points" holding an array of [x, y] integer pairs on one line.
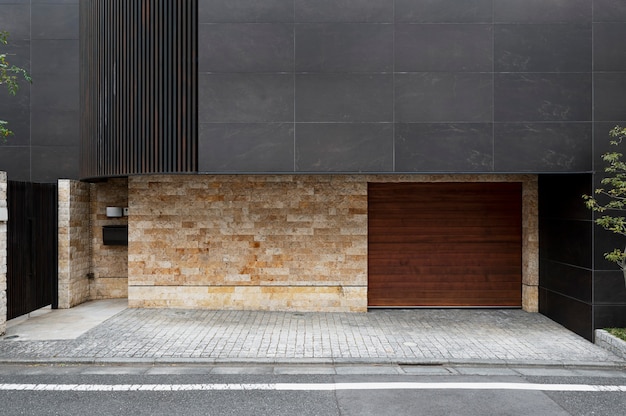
{"points": [[32, 272]]}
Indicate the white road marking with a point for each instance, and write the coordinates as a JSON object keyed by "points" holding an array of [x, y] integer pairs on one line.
{"points": [[311, 387]]}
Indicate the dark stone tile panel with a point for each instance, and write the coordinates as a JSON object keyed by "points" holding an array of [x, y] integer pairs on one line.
{"points": [[609, 49], [444, 11], [18, 52], [538, 11], [609, 287], [365, 11], [55, 21], [50, 163], [252, 147], [609, 102], [18, 120], [543, 147], [55, 57], [245, 98], [574, 282], [605, 242], [15, 19], [443, 47], [609, 10], [344, 147], [543, 97], [242, 11], [566, 241], [243, 47], [18, 102], [602, 143], [344, 47], [543, 48], [344, 98], [444, 97], [571, 313], [444, 147], [52, 127], [16, 162], [610, 316], [560, 196], [58, 91]]}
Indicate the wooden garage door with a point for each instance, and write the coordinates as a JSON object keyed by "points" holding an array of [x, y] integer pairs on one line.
{"points": [[445, 244]]}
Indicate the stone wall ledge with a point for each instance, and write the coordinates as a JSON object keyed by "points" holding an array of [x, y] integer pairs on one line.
{"points": [[611, 343]]}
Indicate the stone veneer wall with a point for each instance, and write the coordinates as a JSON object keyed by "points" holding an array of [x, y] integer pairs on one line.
{"points": [[3, 256], [270, 242], [109, 263], [74, 243]]}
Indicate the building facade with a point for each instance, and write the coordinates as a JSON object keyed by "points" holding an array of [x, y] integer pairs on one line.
{"points": [[341, 155]]}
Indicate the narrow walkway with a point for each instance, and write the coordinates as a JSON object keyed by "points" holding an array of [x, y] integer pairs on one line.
{"points": [[380, 336]]}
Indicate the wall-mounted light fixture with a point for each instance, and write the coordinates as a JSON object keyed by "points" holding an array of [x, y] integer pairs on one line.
{"points": [[114, 212], [4, 214]]}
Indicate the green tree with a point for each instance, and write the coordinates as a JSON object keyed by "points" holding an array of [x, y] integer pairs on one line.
{"points": [[610, 199], [9, 76]]}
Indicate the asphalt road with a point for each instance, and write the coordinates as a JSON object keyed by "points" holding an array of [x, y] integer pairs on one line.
{"points": [[310, 390]]}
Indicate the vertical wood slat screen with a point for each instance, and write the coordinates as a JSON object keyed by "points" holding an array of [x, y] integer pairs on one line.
{"points": [[138, 87]]}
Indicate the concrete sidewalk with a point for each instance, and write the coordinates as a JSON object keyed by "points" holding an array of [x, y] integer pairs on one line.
{"points": [[422, 336]]}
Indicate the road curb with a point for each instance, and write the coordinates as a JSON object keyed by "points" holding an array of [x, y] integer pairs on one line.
{"points": [[611, 343], [309, 361]]}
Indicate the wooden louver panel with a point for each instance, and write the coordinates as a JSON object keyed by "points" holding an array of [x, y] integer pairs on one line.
{"points": [[445, 244], [138, 87]]}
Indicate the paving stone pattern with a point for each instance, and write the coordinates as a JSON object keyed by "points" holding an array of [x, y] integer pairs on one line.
{"points": [[385, 336]]}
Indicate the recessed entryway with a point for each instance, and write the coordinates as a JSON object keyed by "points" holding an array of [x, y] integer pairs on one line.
{"points": [[445, 244]]}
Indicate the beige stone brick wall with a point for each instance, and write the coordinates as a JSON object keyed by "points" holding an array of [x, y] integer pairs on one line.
{"points": [[74, 242], [248, 242], [268, 242], [3, 256], [109, 263]]}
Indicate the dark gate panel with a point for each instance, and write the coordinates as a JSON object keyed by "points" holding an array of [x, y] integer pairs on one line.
{"points": [[32, 271]]}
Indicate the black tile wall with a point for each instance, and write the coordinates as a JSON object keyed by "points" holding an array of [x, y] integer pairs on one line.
{"points": [[578, 284], [239, 147], [444, 147], [16, 162], [544, 147], [344, 147], [566, 241], [609, 11], [344, 97], [54, 162], [543, 48], [250, 11], [543, 97], [44, 40], [609, 103], [243, 47], [575, 315], [609, 287], [541, 11], [245, 98], [444, 11], [444, 47], [525, 68], [443, 97], [344, 47], [364, 11], [609, 316], [54, 21], [609, 50]]}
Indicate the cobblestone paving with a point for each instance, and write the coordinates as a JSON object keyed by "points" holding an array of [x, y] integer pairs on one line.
{"points": [[379, 335]]}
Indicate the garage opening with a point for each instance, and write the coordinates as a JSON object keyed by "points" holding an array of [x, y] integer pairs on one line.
{"points": [[445, 244]]}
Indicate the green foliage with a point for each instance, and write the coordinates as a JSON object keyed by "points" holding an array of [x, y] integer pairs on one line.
{"points": [[610, 199], [9, 76], [617, 332]]}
